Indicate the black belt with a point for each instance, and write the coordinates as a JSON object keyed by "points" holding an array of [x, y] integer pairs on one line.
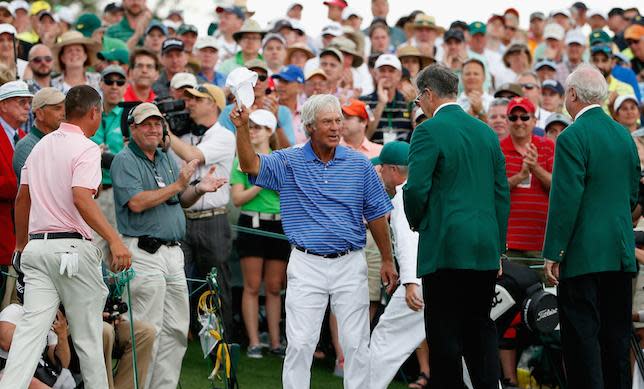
{"points": [[160, 241], [57, 235], [328, 256]]}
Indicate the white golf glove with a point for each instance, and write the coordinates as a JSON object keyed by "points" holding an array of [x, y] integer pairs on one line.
{"points": [[69, 263]]}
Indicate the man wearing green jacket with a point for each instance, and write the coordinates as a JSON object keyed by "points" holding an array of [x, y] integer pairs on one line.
{"points": [[589, 246], [457, 198]]}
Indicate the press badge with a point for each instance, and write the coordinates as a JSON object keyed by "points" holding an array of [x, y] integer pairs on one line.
{"points": [[160, 182], [526, 183]]}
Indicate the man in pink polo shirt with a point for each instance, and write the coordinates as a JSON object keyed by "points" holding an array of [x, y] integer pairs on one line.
{"points": [[356, 119], [55, 216]]}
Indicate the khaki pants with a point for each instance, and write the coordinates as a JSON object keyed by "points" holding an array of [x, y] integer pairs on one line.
{"points": [[83, 297], [160, 297], [374, 262], [124, 375], [105, 201]]}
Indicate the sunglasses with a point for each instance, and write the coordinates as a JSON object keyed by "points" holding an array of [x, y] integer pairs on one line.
{"points": [[112, 81], [45, 58], [529, 86], [514, 118], [262, 77]]}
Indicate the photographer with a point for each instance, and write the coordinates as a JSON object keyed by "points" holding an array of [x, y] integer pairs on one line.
{"points": [[149, 191], [117, 344], [207, 242]]}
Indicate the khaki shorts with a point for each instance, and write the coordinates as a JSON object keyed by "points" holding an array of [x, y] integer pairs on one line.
{"points": [[372, 254]]}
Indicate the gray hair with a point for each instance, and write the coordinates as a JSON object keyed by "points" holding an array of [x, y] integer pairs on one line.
{"points": [[499, 102], [438, 79], [317, 103], [589, 83]]}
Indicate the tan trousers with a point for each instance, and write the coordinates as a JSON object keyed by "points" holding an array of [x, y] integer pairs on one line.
{"points": [[124, 375], [160, 297], [105, 201], [83, 297]]}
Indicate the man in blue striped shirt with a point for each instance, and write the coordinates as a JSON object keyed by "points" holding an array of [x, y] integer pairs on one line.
{"points": [[327, 191]]}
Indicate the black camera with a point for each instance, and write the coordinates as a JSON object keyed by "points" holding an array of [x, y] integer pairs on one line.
{"points": [[114, 308], [177, 116]]}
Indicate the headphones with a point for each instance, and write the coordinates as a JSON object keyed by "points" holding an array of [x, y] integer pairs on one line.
{"points": [[165, 143]]}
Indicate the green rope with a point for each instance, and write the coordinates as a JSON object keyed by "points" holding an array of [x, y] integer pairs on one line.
{"points": [[129, 303]]}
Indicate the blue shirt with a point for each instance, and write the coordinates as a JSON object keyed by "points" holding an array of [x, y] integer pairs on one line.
{"points": [[324, 206], [218, 80], [284, 121], [628, 76]]}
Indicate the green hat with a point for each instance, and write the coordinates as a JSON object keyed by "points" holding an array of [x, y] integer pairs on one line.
{"points": [[393, 153], [186, 28], [87, 24], [599, 37], [477, 28], [120, 55]]}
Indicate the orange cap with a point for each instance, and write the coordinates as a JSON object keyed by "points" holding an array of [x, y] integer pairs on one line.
{"points": [[356, 108], [634, 32]]}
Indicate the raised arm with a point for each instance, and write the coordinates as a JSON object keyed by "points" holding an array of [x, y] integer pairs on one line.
{"points": [[248, 159]]}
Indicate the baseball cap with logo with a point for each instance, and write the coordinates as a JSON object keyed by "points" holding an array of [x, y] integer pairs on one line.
{"points": [[171, 44], [545, 62], [393, 153], [423, 21], [477, 28], [553, 85], [357, 108], [290, 73], [209, 91], [38, 6], [599, 37], [47, 96], [144, 111], [521, 102], [388, 60], [122, 56], [334, 29], [186, 28], [557, 118], [87, 23], [454, 33]]}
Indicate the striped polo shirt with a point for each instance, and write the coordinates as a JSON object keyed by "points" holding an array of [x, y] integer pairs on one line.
{"points": [[324, 206], [529, 205], [396, 115]]}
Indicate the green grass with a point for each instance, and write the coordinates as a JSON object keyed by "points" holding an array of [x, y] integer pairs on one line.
{"points": [[262, 373]]}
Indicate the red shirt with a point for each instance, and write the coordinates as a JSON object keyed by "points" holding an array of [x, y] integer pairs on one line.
{"points": [[528, 205], [131, 96]]}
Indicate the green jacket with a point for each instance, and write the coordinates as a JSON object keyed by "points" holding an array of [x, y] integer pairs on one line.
{"points": [[457, 195], [595, 183]]}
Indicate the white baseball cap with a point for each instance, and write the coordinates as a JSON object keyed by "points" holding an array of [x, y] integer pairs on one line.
{"points": [[562, 11], [575, 36], [348, 12], [14, 89], [183, 79], [263, 117], [19, 4], [334, 29], [595, 12], [241, 82], [621, 99], [207, 41], [554, 31], [6, 28], [8, 7], [388, 60]]}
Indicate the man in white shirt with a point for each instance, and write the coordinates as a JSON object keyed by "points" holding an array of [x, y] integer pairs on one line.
{"points": [[401, 327], [207, 242]]}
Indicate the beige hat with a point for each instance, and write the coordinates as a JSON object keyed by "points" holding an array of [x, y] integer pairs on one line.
{"points": [[74, 37], [47, 96], [257, 64], [412, 51], [423, 20], [209, 91], [315, 72], [144, 111], [298, 46], [347, 46], [183, 79], [249, 26]]}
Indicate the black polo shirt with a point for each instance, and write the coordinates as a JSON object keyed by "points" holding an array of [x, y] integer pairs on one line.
{"points": [[397, 115]]}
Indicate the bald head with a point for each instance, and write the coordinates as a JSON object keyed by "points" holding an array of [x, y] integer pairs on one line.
{"points": [[39, 50]]}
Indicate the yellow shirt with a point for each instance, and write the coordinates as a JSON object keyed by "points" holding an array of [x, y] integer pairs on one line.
{"points": [[622, 89]]}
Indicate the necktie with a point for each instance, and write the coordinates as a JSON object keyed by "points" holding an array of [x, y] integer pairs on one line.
{"points": [[16, 137]]}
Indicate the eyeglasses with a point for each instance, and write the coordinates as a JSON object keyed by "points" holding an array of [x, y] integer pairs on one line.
{"points": [[420, 96], [144, 66], [112, 81], [529, 86], [514, 118], [45, 58]]}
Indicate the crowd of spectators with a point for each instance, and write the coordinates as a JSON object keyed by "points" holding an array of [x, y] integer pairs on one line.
{"points": [[512, 79]]}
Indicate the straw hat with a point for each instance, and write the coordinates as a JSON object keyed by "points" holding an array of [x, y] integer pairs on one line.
{"points": [[298, 46], [249, 26], [75, 38], [412, 51]]}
